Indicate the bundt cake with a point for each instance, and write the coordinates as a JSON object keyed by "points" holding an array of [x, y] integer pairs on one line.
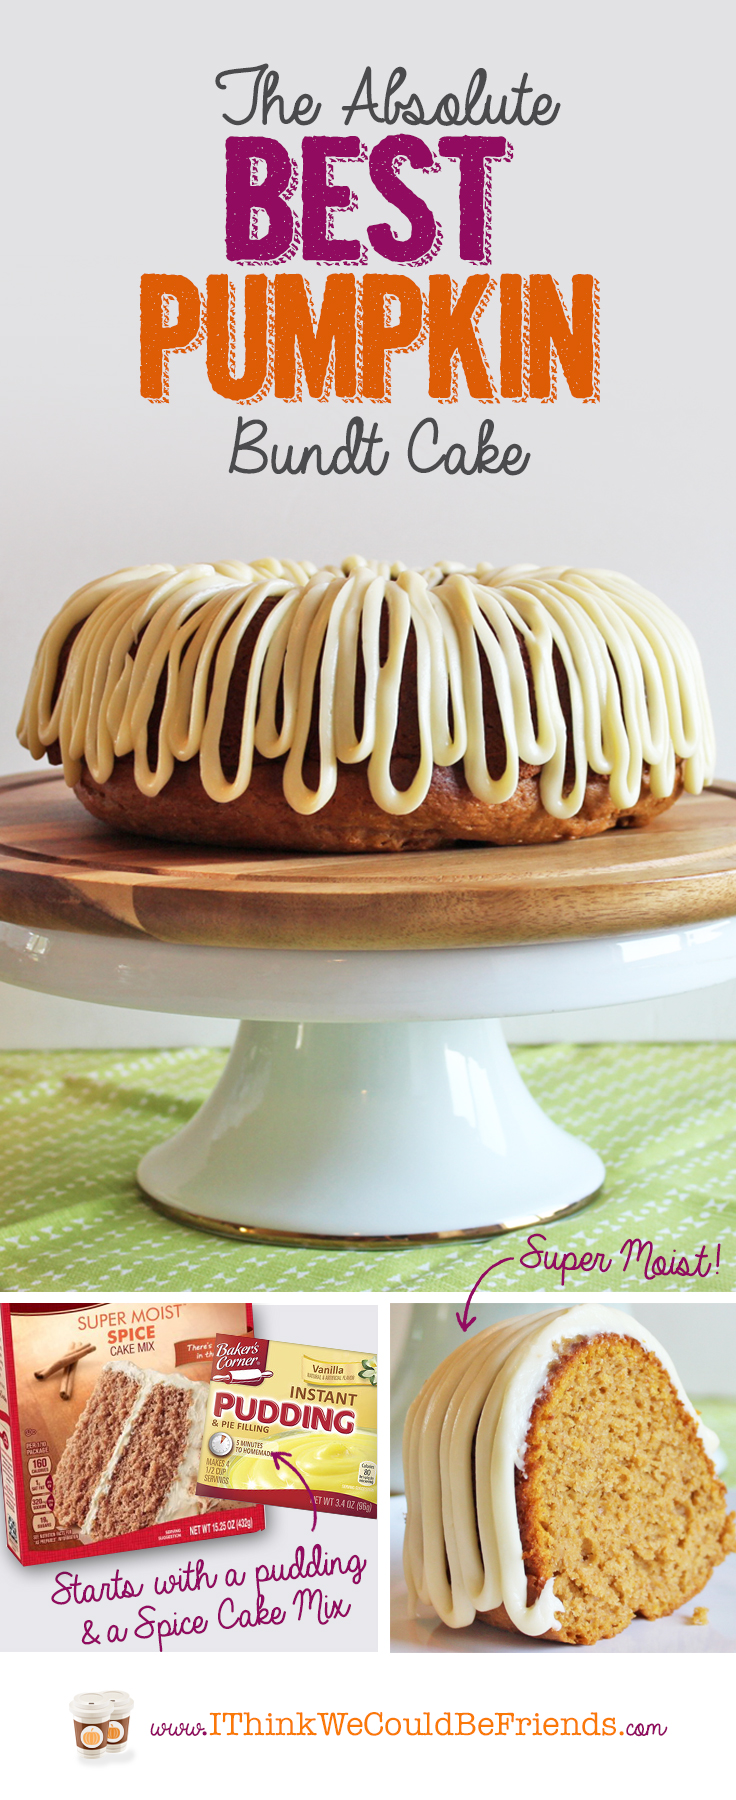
{"points": [[369, 707], [559, 1482]]}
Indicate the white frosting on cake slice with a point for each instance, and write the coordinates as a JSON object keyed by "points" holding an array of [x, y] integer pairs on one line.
{"points": [[464, 1438], [180, 1500]]}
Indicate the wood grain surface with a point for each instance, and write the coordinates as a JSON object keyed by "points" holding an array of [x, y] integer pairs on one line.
{"points": [[60, 870]]}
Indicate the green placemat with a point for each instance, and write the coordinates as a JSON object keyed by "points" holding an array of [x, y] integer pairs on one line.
{"points": [[73, 1125], [720, 1414]]}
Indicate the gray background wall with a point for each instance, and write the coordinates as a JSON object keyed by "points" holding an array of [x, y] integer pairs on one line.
{"points": [[119, 168]]}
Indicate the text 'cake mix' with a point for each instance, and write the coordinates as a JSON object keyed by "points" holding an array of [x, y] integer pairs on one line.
{"points": [[102, 1414], [290, 1424]]}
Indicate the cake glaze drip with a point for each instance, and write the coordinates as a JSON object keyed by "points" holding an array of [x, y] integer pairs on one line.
{"points": [[464, 1438], [636, 686]]}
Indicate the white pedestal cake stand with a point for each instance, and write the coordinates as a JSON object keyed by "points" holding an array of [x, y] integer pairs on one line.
{"points": [[370, 1097]]}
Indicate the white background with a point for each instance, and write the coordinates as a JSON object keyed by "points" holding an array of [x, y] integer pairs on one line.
{"points": [[115, 141], [38, 1737]]}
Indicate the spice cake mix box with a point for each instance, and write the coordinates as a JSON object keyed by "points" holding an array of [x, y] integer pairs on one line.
{"points": [[294, 1424], [102, 1413]]}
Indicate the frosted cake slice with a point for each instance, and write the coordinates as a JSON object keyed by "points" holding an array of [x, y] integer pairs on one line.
{"points": [[132, 1460]]}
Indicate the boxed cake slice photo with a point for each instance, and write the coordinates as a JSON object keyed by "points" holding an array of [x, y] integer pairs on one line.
{"points": [[132, 1460]]}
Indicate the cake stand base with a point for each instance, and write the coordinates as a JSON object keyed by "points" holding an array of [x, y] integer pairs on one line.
{"points": [[376, 1133], [348, 1130]]}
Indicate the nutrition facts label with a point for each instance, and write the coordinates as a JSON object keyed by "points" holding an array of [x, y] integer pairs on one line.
{"points": [[41, 1486]]}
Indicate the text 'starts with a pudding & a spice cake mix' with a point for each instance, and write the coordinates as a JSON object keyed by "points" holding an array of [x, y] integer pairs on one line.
{"points": [[367, 894], [367, 849]]}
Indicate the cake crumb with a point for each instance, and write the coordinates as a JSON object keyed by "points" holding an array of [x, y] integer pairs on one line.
{"points": [[698, 1617]]}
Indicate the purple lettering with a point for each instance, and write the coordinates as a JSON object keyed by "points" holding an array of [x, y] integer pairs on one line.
{"points": [[320, 198], [425, 237], [475, 156], [247, 196]]}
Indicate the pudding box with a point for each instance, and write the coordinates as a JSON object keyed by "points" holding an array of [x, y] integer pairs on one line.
{"points": [[307, 1440], [102, 1412]]}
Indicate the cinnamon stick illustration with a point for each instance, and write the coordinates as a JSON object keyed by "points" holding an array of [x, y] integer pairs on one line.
{"points": [[71, 1356], [66, 1385]]}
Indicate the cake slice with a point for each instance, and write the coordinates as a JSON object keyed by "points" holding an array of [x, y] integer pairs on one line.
{"points": [[132, 1459], [559, 1482]]}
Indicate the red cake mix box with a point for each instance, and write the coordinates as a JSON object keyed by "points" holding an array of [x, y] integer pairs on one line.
{"points": [[102, 1411]]}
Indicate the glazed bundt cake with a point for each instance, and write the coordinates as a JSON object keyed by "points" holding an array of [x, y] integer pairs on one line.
{"points": [[369, 707], [559, 1482]]}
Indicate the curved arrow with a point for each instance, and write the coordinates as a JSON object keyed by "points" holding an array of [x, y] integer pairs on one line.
{"points": [[464, 1322], [278, 1457]]}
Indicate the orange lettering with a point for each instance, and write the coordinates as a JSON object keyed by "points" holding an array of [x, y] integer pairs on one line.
{"points": [[380, 339], [453, 338], [158, 337], [512, 337], [327, 347], [257, 364], [576, 345]]}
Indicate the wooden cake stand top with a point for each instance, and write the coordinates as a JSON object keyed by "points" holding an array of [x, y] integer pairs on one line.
{"points": [[60, 870]]}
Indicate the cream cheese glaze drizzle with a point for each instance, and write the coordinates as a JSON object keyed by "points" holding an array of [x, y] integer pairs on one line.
{"points": [[464, 1437], [637, 693]]}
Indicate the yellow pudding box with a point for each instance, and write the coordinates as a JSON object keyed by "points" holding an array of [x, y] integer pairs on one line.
{"points": [[291, 1425]]}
